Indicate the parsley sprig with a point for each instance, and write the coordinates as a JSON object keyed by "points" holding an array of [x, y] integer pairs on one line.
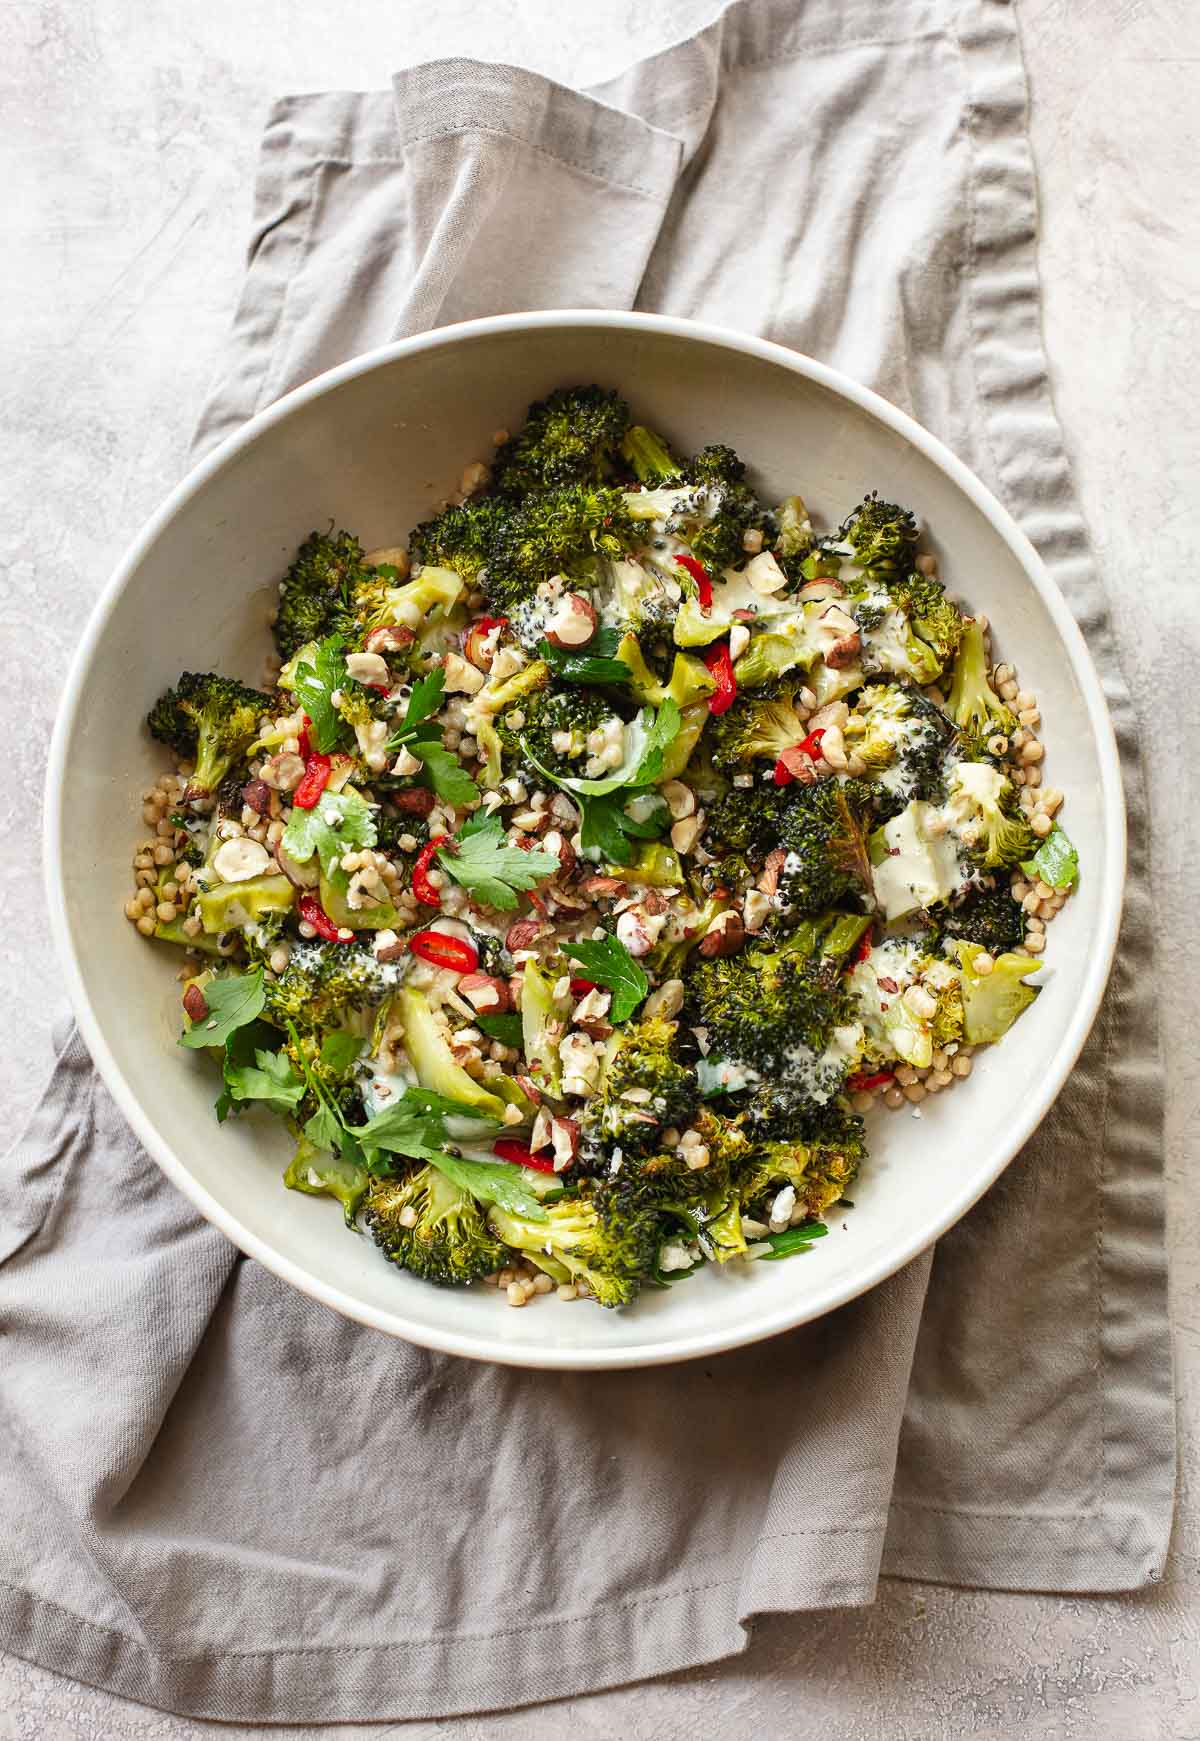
{"points": [[482, 861], [419, 734]]}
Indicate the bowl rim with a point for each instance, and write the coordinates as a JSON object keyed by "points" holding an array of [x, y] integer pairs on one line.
{"points": [[658, 1349]]}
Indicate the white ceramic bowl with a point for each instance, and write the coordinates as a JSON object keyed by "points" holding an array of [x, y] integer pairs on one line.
{"points": [[372, 446]]}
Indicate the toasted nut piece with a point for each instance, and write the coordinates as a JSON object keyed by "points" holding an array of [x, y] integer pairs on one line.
{"points": [[833, 713], [844, 652], [591, 1014], [388, 947], [684, 834], [634, 933], [390, 556], [755, 909], [480, 644], [564, 1137], [370, 668], [257, 794], [235, 861], [284, 772], [573, 623], [556, 843], [927, 563], [486, 994], [724, 937], [540, 1137], [768, 882], [530, 1089], [600, 888], [764, 574], [405, 763], [522, 934], [815, 590], [195, 1003], [389, 640], [739, 640], [655, 903], [680, 799], [462, 678], [414, 800], [667, 1000]]}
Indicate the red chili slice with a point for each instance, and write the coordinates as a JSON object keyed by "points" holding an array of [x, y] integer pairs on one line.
{"points": [[314, 914], [422, 888], [720, 669], [316, 778], [580, 987], [864, 948], [304, 740], [443, 951], [808, 746], [702, 579], [861, 1084], [811, 745], [508, 1149]]}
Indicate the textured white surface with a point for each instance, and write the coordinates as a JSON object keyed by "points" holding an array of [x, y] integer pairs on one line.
{"points": [[127, 147]]}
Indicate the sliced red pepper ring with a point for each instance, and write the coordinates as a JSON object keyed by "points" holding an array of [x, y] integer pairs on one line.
{"points": [[790, 764], [316, 778], [508, 1149], [422, 888], [720, 668], [811, 745], [702, 578], [581, 987], [860, 1083], [444, 951], [314, 914]]}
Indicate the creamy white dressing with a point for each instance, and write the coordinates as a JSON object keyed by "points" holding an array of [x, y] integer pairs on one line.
{"points": [[921, 867]]}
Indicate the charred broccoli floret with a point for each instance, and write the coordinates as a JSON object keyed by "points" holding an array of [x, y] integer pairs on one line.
{"points": [[902, 738], [649, 458], [731, 508], [819, 1165], [643, 1088], [324, 982], [425, 1223], [988, 815], [561, 531], [824, 834], [759, 726], [212, 720], [882, 535], [460, 537], [316, 593], [972, 703], [987, 916], [786, 1016], [555, 729], [573, 1244], [573, 436]]}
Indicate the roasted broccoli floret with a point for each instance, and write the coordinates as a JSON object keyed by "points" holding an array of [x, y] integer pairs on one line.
{"points": [[902, 738], [819, 1170], [643, 1089], [460, 537], [882, 536], [972, 703], [316, 593], [743, 824], [759, 726], [212, 720], [785, 1015], [554, 727], [993, 1001], [987, 916], [824, 834], [573, 436], [324, 982], [988, 815], [561, 531], [573, 1244], [425, 1223], [333, 1067], [731, 509], [649, 458]]}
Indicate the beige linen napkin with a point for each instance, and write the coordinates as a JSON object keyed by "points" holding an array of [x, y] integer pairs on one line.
{"points": [[219, 1497]]}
